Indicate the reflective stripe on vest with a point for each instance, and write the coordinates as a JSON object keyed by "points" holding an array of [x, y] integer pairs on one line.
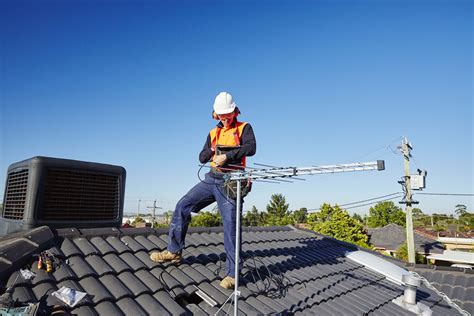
{"points": [[227, 137]]}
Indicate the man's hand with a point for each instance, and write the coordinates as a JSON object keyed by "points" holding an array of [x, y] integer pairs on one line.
{"points": [[219, 160]]}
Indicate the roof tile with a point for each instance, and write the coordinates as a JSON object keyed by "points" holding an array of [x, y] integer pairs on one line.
{"points": [[116, 263], [41, 275], [132, 244], [132, 261], [109, 308], [469, 294], [196, 310], [151, 305], [146, 243], [158, 242], [117, 244], [95, 289], [262, 308], [145, 258], [16, 279], [99, 265], [205, 271], [192, 273], [133, 283], [84, 311], [165, 299], [209, 309], [115, 286], [44, 289], [179, 276], [69, 249], [23, 295], [85, 246], [130, 307], [150, 281], [63, 272], [101, 245], [80, 267]]}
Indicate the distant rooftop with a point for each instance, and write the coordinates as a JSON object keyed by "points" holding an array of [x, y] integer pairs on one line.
{"points": [[392, 236]]}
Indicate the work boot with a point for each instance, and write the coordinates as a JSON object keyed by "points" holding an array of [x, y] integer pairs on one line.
{"points": [[165, 256], [228, 283]]}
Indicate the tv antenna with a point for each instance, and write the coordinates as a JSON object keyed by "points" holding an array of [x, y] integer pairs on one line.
{"points": [[276, 173]]}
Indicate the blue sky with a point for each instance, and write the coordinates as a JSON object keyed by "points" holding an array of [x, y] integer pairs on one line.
{"points": [[132, 83]]}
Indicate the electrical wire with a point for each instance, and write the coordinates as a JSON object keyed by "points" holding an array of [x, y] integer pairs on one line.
{"points": [[385, 147], [383, 196], [362, 201], [396, 197], [271, 285], [219, 187]]}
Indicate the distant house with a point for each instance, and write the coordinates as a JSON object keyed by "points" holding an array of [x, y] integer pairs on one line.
{"points": [[444, 233], [389, 238], [449, 257], [452, 240]]}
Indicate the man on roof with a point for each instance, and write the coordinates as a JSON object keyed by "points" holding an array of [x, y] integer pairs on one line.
{"points": [[227, 146]]}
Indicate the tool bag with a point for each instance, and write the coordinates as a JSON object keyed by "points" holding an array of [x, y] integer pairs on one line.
{"points": [[230, 188]]}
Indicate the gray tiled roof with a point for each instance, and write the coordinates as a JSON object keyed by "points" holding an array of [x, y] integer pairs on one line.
{"points": [[393, 236], [286, 271], [456, 283]]}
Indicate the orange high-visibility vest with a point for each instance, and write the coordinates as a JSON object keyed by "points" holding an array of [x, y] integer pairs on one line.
{"points": [[227, 137]]}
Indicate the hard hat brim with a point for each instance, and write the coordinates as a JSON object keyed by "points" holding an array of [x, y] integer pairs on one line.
{"points": [[225, 111]]}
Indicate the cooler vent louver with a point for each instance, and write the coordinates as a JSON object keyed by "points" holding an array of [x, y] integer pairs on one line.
{"points": [[15, 197], [77, 194]]}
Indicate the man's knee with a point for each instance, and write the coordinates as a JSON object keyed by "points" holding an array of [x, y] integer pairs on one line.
{"points": [[183, 207]]}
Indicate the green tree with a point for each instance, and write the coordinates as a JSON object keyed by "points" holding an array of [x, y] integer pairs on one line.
{"points": [[300, 215], [254, 218], [137, 220], [205, 219], [419, 218], [402, 254], [460, 210], [384, 213], [159, 225], [277, 210], [467, 221], [336, 222], [358, 218], [416, 212]]}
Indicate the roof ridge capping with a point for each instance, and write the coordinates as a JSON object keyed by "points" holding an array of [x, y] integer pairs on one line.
{"points": [[391, 271]]}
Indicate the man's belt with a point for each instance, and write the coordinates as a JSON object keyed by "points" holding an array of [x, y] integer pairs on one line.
{"points": [[230, 188]]}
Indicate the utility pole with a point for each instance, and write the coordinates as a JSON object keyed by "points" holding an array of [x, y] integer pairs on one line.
{"points": [[406, 148], [154, 207], [138, 209]]}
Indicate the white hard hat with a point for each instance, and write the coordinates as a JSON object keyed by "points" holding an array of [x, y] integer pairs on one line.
{"points": [[224, 103]]}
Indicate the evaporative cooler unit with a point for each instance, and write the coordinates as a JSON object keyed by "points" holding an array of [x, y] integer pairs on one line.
{"points": [[62, 193]]}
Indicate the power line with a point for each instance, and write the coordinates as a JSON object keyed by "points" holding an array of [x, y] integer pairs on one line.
{"points": [[398, 194], [395, 197], [376, 198]]}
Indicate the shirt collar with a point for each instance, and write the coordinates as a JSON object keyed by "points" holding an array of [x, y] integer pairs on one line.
{"points": [[220, 125]]}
